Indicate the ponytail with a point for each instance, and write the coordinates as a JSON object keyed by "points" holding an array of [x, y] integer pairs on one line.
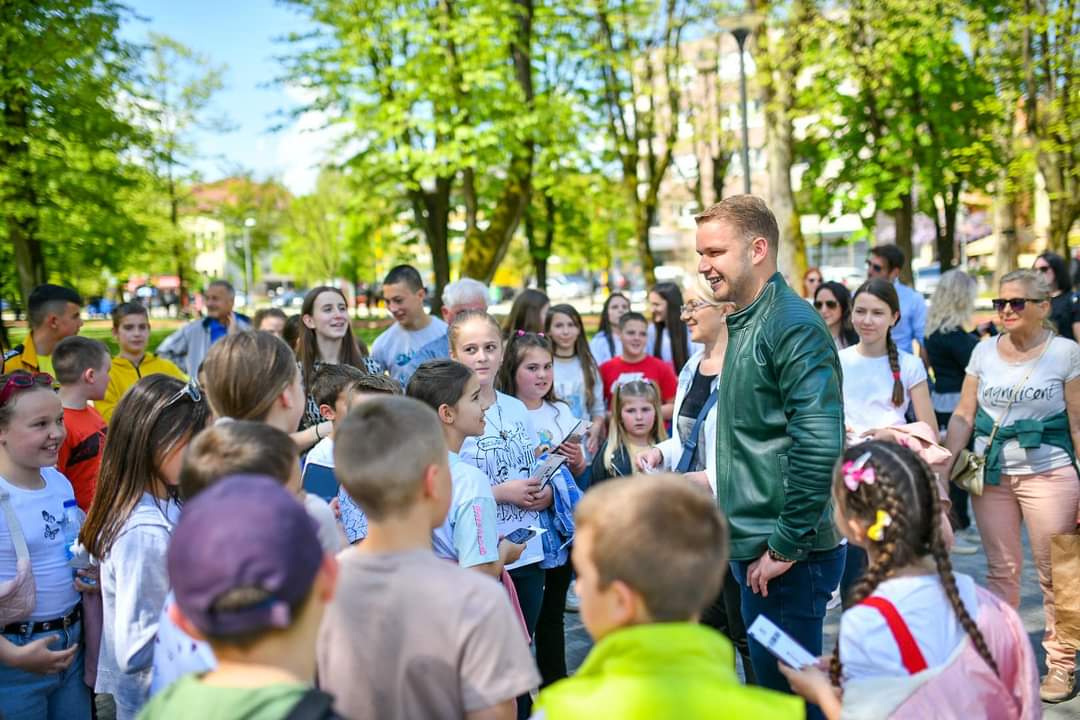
{"points": [[894, 365]]}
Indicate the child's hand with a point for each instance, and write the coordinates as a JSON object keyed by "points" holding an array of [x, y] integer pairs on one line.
{"points": [[574, 456], [815, 687], [37, 658], [509, 552], [650, 459], [593, 436], [86, 579], [542, 500], [517, 492]]}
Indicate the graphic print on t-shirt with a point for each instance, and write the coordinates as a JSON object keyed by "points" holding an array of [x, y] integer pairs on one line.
{"points": [[50, 531], [88, 449]]}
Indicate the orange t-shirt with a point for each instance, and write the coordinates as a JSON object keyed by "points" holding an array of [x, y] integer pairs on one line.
{"points": [[80, 455]]}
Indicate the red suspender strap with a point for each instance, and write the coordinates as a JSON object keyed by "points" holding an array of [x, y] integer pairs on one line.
{"points": [[910, 654]]}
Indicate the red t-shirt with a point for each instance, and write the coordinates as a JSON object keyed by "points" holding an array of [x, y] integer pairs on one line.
{"points": [[80, 455], [652, 368]]}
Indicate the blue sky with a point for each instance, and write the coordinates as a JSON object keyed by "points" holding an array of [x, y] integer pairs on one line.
{"points": [[241, 35]]}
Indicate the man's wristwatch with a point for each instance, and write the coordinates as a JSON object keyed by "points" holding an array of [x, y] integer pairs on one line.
{"points": [[778, 557]]}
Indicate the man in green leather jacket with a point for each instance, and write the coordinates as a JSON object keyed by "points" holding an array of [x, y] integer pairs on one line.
{"points": [[780, 429]]}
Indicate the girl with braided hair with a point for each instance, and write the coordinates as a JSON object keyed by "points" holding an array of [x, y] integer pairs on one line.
{"points": [[919, 640]]}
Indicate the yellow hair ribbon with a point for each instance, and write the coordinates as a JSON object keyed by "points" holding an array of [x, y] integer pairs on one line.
{"points": [[877, 530]]}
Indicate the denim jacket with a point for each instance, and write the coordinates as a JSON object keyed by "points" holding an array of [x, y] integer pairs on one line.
{"points": [[559, 522]]}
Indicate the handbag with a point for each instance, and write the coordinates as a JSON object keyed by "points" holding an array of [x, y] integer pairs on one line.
{"points": [[969, 470], [18, 596]]}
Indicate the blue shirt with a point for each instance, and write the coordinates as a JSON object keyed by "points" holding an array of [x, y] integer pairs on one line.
{"points": [[217, 330], [437, 349], [912, 325]]}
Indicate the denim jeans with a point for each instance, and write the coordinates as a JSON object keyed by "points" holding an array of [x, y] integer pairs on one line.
{"points": [[58, 696], [796, 603]]}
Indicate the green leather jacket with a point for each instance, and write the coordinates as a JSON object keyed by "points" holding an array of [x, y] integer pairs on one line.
{"points": [[780, 427]]}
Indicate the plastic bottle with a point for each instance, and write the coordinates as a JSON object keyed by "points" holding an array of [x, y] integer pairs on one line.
{"points": [[72, 523]]}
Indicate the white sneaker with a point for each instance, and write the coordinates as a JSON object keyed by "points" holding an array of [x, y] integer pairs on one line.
{"points": [[834, 601], [963, 547], [572, 602]]}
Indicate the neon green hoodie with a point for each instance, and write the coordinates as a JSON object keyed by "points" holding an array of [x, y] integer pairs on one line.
{"points": [[681, 671]]}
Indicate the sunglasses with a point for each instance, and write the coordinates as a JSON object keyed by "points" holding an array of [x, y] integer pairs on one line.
{"points": [[1017, 304], [1043, 268], [22, 381], [831, 304], [190, 390], [876, 267]]}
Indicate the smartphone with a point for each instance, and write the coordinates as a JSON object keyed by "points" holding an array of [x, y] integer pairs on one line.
{"points": [[524, 535], [780, 644]]}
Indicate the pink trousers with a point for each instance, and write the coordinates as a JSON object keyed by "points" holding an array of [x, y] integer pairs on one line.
{"points": [[1047, 503]]}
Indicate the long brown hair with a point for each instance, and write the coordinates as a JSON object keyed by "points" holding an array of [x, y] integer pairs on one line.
{"points": [[520, 343], [905, 489], [606, 327], [351, 352], [581, 348], [672, 322], [884, 291], [155, 416], [246, 373], [525, 312]]}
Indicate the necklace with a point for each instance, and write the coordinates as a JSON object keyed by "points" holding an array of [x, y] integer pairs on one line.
{"points": [[571, 356], [501, 428]]}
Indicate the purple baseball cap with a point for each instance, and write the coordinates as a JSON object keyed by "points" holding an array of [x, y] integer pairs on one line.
{"points": [[244, 533]]}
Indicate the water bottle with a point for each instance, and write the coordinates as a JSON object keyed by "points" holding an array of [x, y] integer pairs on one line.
{"points": [[77, 556]]}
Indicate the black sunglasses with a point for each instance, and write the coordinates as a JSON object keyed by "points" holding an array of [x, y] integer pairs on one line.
{"points": [[831, 304], [1017, 304], [876, 267], [1043, 268]]}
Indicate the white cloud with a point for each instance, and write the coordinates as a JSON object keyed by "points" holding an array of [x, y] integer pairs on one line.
{"points": [[303, 146]]}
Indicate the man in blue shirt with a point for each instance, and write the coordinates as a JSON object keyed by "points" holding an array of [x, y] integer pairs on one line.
{"points": [[187, 347], [885, 263]]}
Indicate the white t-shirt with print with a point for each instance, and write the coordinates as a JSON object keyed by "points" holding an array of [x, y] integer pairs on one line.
{"points": [[1042, 396], [868, 386], [506, 452], [867, 646], [40, 513], [550, 423], [395, 347], [570, 388], [470, 534]]}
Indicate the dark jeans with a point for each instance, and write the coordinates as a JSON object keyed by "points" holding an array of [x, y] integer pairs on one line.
{"points": [[529, 584], [550, 633], [959, 517], [725, 616], [796, 603], [854, 567]]}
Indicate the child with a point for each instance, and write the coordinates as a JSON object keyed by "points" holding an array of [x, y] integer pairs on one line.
{"points": [[41, 661], [644, 575], [919, 641], [505, 453], [410, 635], [526, 374], [635, 426], [577, 377], [131, 329], [54, 312], [271, 320], [129, 524], [82, 368], [635, 364], [413, 327], [337, 389], [239, 447], [606, 343], [259, 605], [469, 535]]}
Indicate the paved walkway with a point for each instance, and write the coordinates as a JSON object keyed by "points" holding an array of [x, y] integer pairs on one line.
{"points": [[578, 643]]}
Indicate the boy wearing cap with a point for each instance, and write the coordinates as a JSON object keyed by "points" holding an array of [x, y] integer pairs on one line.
{"points": [[409, 635], [258, 605], [54, 314], [644, 575]]}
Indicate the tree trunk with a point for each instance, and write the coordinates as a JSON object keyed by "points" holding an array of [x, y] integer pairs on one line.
{"points": [[1006, 250], [946, 235], [23, 224], [432, 213], [645, 214], [904, 217]]}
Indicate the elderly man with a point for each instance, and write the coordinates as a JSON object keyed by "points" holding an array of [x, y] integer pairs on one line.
{"points": [[459, 296], [187, 347], [779, 430]]}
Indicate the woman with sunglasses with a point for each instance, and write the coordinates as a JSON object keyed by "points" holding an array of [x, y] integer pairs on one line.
{"points": [[1064, 303], [833, 302], [1021, 398], [41, 651]]}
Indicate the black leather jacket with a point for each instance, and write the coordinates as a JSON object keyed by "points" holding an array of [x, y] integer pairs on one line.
{"points": [[780, 427]]}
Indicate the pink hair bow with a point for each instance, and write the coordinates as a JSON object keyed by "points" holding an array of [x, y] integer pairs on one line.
{"points": [[856, 472]]}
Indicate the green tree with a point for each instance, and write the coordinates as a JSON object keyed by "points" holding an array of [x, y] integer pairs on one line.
{"points": [[64, 132]]}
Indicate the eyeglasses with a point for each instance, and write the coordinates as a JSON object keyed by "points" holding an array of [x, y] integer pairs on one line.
{"points": [[876, 267], [1017, 304], [1043, 268], [190, 390], [22, 381], [831, 304], [691, 307]]}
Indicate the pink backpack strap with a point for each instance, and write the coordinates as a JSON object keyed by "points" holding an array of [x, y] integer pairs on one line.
{"points": [[910, 654]]}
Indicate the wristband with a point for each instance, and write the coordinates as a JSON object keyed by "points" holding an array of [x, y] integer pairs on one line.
{"points": [[317, 436], [778, 557]]}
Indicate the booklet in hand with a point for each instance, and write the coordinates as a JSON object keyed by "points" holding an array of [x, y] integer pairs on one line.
{"points": [[546, 472], [780, 644]]}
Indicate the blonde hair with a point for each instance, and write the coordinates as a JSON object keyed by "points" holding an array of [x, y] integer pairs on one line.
{"points": [[246, 373], [463, 318], [953, 303], [668, 542], [1035, 285], [380, 465], [617, 438]]}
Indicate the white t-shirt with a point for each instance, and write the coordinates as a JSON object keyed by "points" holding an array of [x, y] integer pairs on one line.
{"points": [[868, 386], [470, 532], [506, 452], [550, 423], [1041, 396], [570, 388], [599, 346], [395, 347], [867, 646], [40, 514]]}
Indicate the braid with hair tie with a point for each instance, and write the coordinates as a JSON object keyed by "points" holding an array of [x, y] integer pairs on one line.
{"points": [[894, 365]]}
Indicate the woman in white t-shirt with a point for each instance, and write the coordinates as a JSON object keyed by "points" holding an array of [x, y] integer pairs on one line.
{"points": [[1026, 383], [41, 654]]}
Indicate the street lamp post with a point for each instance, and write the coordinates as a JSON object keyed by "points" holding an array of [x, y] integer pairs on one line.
{"points": [[248, 224], [741, 33]]}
